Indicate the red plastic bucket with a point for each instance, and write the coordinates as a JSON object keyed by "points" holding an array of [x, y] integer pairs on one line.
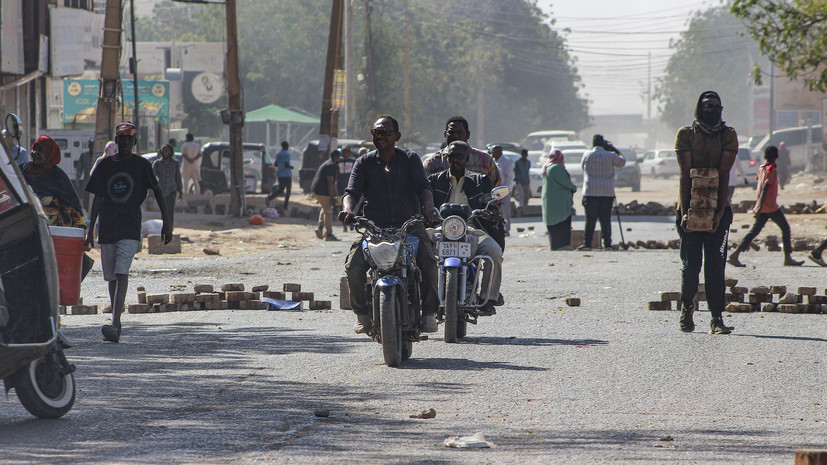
{"points": [[68, 244]]}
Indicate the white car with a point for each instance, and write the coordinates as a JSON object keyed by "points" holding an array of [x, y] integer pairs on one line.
{"points": [[573, 158], [661, 162]]}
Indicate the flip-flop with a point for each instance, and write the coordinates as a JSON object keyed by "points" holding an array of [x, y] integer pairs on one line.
{"points": [[820, 260], [735, 263], [111, 333]]}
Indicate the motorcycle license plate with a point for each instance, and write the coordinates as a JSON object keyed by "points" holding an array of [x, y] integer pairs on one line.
{"points": [[455, 249]]}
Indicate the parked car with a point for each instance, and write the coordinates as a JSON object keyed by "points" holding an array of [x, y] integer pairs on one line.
{"points": [[797, 144], [629, 174], [749, 163], [259, 170], [660, 162], [572, 158], [507, 146], [562, 146]]}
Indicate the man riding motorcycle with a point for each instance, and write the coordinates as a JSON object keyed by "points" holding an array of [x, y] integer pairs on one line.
{"points": [[456, 185], [394, 187]]}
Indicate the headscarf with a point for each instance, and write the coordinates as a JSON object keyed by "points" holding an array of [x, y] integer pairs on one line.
{"points": [[555, 156], [707, 127], [49, 179], [110, 149], [51, 152]]}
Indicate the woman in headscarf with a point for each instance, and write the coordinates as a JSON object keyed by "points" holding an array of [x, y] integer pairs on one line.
{"points": [[52, 186], [558, 192]]}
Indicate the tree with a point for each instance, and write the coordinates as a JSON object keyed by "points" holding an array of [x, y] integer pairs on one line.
{"points": [[712, 54], [793, 34]]}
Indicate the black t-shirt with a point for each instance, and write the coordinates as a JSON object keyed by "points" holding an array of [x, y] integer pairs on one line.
{"points": [[122, 184], [319, 185]]}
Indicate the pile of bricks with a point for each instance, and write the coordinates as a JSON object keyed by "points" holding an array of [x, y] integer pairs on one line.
{"points": [[741, 299], [231, 297], [78, 309], [703, 199], [799, 208]]}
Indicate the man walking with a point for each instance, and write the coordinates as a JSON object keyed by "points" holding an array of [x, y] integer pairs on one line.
{"points": [[766, 208], [284, 171], [324, 190], [395, 188], [506, 169], [191, 163], [522, 178], [599, 189], [120, 183], [168, 172], [708, 143], [345, 168]]}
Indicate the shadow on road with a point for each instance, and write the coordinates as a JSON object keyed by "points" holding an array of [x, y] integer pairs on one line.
{"points": [[533, 341], [457, 364]]}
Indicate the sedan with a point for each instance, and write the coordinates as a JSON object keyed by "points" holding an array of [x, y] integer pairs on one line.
{"points": [[535, 175], [662, 162]]}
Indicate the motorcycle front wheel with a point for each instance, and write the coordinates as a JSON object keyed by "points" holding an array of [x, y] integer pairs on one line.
{"points": [[44, 392], [451, 313], [389, 326]]}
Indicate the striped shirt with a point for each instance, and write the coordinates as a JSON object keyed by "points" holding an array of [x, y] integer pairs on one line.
{"points": [[599, 172]]}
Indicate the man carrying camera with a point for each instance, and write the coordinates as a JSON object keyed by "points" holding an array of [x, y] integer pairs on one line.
{"points": [[599, 189]]}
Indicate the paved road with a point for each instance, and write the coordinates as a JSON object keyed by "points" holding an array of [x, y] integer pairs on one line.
{"points": [[606, 382]]}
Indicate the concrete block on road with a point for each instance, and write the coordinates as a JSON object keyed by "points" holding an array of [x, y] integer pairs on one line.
{"points": [[207, 297], [739, 308], [157, 299], [168, 307], [760, 298], [232, 287], [763, 290], [201, 288], [319, 305], [155, 245], [660, 305], [292, 287], [298, 296], [806, 291], [278, 295], [573, 301], [670, 296], [788, 308], [138, 308], [344, 294], [780, 290], [183, 297], [730, 282], [261, 288]]}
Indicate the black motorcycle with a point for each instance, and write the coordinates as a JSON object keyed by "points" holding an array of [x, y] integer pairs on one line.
{"points": [[393, 288], [32, 361]]}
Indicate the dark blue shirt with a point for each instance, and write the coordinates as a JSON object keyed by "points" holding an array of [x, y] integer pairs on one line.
{"points": [[392, 191], [521, 168]]}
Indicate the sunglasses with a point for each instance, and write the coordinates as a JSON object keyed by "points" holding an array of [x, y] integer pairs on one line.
{"points": [[381, 132]]}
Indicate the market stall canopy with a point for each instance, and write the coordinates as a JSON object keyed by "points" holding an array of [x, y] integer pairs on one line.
{"points": [[272, 124]]}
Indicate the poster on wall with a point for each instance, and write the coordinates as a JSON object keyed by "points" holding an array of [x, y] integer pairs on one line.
{"points": [[80, 100]]}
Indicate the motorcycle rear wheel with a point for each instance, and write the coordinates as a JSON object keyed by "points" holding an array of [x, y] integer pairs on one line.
{"points": [[451, 311], [389, 327], [44, 392]]}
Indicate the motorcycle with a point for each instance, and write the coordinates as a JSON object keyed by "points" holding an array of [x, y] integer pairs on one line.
{"points": [[393, 288], [460, 281], [32, 360]]}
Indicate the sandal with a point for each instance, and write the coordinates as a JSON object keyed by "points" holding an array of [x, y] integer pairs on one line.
{"points": [[111, 333]]}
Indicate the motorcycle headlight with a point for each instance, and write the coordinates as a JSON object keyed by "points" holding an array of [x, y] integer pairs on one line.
{"points": [[384, 254], [453, 228]]}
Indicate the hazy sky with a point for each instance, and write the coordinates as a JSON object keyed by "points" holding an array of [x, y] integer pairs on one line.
{"points": [[613, 40]]}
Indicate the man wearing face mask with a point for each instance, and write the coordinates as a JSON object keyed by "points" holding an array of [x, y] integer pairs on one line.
{"points": [[706, 143]]}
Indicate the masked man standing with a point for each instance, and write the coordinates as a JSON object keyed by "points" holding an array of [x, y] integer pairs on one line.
{"points": [[706, 143], [395, 188]]}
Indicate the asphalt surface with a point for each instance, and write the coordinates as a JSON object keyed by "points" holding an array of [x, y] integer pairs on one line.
{"points": [[605, 382]]}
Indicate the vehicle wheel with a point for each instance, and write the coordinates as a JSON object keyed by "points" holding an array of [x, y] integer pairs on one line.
{"points": [[654, 173], [207, 191], [389, 327], [636, 185], [451, 313], [44, 392]]}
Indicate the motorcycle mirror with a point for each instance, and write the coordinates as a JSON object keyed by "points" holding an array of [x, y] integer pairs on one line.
{"points": [[13, 124], [499, 193]]}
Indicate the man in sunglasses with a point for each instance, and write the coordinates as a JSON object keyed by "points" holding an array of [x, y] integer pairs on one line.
{"points": [[395, 188], [456, 128]]}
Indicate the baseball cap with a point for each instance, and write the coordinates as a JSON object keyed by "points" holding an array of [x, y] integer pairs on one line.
{"points": [[127, 129]]}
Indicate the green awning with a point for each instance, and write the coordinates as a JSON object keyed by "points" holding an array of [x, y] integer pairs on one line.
{"points": [[277, 114]]}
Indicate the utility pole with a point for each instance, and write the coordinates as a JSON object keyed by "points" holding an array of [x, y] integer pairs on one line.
{"points": [[235, 115], [110, 81], [134, 65], [406, 82], [350, 73], [329, 124], [370, 79]]}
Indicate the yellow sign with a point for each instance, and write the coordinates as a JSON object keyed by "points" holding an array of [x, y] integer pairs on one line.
{"points": [[339, 90]]}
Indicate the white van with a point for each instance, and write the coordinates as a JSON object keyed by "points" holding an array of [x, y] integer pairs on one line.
{"points": [[72, 143], [536, 142], [796, 141]]}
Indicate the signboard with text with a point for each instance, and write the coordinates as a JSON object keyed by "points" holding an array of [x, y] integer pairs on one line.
{"points": [[80, 100]]}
